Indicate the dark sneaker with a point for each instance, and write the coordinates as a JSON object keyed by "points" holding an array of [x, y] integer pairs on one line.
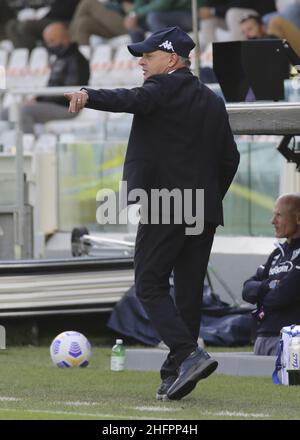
{"points": [[198, 365], [164, 387]]}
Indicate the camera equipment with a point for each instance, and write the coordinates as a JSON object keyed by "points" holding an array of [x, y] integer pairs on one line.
{"points": [[259, 65], [291, 154]]}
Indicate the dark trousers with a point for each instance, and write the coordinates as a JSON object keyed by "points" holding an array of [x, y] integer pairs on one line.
{"points": [[26, 33], [159, 250]]}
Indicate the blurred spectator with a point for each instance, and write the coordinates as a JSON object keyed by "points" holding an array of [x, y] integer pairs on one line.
{"points": [[278, 27], [7, 13], [154, 15], [95, 18], [70, 68], [27, 33], [290, 12], [219, 8], [227, 15]]}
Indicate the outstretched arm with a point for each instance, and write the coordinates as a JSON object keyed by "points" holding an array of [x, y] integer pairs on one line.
{"points": [[139, 100], [77, 100]]}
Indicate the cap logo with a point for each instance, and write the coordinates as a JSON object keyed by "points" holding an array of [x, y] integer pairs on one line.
{"points": [[167, 45]]}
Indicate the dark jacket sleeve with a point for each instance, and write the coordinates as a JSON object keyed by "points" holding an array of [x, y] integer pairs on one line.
{"points": [[78, 72], [62, 10], [139, 100], [256, 287], [286, 293], [230, 159]]}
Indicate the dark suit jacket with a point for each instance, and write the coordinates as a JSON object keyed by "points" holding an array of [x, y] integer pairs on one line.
{"points": [[180, 137]]}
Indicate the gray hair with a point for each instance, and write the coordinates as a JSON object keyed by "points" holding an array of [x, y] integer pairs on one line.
{"points": [[185, 61]]}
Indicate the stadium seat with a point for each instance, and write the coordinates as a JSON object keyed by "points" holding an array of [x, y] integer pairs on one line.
{"points": [[7, 45], [121, 40], [17, 67], [9, 99], [222, 34], [100, 65], [38, 68], [95, 41], [86, 51], [3, 58], [41, 12], [88, 121], [125, 70], [114, 42], [26, 14]]}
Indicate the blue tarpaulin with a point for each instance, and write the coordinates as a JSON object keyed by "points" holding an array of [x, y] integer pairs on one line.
{"points": [[221, 324]]}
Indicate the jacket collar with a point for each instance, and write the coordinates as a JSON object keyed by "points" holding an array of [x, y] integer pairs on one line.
{"points": [[295, 243], [286, 247], [182, 70]]}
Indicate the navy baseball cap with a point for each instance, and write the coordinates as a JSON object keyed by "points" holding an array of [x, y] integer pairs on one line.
{"points": [[172, 40]]}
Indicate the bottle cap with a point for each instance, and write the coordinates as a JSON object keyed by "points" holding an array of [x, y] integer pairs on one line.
{"points": [[119, 341]]}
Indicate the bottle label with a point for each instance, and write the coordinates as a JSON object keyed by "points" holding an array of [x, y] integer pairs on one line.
{"points": [[117, 363], [294, 355], [294, 360]]}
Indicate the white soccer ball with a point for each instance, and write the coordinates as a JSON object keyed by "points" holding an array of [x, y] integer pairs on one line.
{"points": [[70, 349]]}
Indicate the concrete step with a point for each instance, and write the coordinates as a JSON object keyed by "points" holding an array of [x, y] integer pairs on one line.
{"points": [[230, 363]]}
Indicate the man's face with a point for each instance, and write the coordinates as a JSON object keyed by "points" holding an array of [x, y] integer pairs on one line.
{"points": [[52, 39], [154, 63], [251, 29], [285, 220]]}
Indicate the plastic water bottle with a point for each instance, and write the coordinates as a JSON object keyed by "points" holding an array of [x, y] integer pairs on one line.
{"points": [[294, 361], [117, 360]]}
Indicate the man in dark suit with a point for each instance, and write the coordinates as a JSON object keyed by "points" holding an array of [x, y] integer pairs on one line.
{"points": [[180, 139]]}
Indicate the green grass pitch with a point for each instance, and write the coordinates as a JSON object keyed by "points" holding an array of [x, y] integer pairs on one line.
{"points": [[31, 387]]}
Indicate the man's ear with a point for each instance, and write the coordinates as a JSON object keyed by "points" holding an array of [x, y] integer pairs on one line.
{"points": [[173, 60]]}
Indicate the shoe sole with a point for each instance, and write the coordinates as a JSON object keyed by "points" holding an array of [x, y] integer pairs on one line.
{"points": [[188, 387], [162, 397], [178, 391]]}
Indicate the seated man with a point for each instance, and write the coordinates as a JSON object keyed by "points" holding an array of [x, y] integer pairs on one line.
{"points": [[28, 33], [70, 68], [289, 10], [227, 15], [253, 27], [275, 288]]}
